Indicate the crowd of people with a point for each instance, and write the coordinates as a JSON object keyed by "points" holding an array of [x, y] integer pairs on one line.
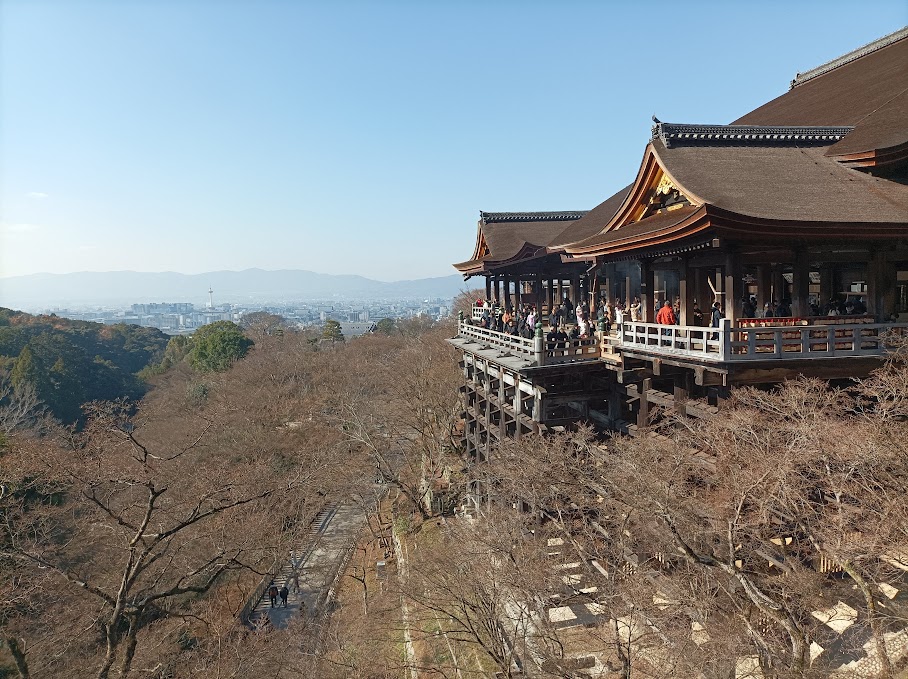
{"points": [[569, 321]]}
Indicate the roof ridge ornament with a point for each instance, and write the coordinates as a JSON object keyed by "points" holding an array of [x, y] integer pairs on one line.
{"points": [[682, 134], [869, 48], [561, 216]]}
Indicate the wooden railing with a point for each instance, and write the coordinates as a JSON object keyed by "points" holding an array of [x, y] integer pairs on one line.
{"points": [[678, 340], [812, 341], [536, 350], [729, 345], [763, 342]]}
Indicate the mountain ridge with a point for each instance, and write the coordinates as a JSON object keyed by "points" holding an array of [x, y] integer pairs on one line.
{"points": [[248, 285]]}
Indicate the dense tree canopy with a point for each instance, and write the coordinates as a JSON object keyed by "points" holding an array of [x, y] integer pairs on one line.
{"points": [[216, 346], [72, 362]]}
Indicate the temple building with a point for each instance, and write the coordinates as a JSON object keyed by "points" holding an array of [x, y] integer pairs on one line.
{"points": [[742, 254], [793, 220]]}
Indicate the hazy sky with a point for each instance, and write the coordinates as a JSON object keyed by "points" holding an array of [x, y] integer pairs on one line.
{"points": [[355, 137]]}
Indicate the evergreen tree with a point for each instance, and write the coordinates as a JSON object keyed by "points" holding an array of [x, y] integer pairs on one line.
{"points": [[216, 346], [332, 331]]}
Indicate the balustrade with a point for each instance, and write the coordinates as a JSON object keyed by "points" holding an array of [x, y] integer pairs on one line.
{"points": [[764, 342]]}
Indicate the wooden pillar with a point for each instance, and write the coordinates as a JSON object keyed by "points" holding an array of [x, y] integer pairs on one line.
{"points": [[826, 285], [506, 297], [551, 297], [560, 290], [732, 287], [647, 292], [488, 287], [683, 385], [643, 409], [686, 291], [778, 284], [502, 396], [498, 290], [518, 292], [594, 293], [628, 297], [719, 286], [881, 283], [575, 288], [800, 284], [763, 287], [608, 283], [540, 294], [614, 405]]}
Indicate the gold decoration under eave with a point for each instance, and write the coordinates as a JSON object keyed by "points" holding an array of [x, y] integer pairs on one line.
{"points": [[666, 186]]}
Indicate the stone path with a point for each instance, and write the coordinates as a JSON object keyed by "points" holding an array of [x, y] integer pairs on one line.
{"points": [[316, 566]]}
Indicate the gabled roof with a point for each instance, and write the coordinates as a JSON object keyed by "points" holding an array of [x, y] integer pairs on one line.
{"points": [[755, 190], [505, 237], [866, 89], [783, 183]]}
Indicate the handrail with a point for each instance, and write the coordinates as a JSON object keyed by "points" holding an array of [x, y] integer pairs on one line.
{"points": [[715, 345], [760, 343], [681, 340], [812, 341], [536, 350]]}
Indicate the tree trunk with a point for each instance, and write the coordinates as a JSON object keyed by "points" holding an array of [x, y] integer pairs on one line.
{"points": [[873, 618], [110, 654], [130, 651], [18, 657]]}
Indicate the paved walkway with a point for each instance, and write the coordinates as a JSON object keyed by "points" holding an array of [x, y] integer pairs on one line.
{"points": [[315, 566]]}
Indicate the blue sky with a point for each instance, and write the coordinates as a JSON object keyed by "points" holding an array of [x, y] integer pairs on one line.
{"points": [[357, 137]]}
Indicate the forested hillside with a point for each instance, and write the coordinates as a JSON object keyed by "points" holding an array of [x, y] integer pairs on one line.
{"points": [[131, 547], [70, 363]]}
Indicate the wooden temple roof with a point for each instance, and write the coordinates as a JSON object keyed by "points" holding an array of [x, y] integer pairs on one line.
{"points": [[507, 237], [754, 188], [866, 88], [593, 222], [784, 172]]}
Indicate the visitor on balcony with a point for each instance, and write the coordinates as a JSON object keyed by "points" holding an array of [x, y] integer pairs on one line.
{"points": [[783, 310], [666, 315], [697, 315], [748, 307], [635, 309], [716, 319]]}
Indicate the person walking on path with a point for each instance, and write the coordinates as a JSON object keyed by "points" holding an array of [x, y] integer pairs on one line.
{"points": [[272, 594], [295, 582], [284, 594]]}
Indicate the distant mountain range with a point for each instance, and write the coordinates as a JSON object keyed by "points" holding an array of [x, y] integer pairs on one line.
{"points": [[45, 290]]}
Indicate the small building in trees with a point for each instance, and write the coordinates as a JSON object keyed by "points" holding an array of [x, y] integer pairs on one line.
{"points": [[792, 222]]}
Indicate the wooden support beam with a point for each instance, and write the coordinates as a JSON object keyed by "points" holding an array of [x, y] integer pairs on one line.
{"points": [[683, 386], [643, 405]]}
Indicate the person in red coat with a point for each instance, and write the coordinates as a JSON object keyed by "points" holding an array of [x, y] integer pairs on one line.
{"points": [[666, 315]]}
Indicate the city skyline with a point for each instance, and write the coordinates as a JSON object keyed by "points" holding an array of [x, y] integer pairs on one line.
{"points": [[353, 138]]}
